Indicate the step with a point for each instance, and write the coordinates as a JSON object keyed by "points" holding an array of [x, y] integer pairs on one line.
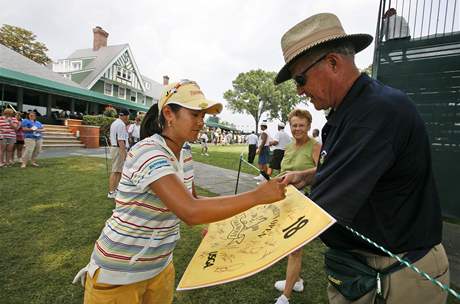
{"points": [[55, 126], [57, 133], [68, 141], [52, 136], [45, 146]]}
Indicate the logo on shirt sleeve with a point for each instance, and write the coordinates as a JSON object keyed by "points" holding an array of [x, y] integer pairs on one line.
{"points": [[322, 157]]}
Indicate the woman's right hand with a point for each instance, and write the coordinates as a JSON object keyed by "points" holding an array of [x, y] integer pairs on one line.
{"points": [[271, 191]]}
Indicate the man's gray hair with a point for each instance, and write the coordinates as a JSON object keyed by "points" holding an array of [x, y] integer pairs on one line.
{"points": [[344, 48]]}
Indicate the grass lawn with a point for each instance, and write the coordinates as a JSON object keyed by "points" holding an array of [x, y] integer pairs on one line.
{"points": [[52, 215], [225, 157]]}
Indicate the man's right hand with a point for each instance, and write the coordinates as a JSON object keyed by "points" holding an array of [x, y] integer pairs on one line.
{"points": [[295, 178]]}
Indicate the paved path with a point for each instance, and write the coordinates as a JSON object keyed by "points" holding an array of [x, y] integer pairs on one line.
{"points": [[222, 181]]}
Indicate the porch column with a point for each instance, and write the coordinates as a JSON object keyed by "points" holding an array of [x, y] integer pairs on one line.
{"points": [[19, 99], [49, 105], [72, 106]]}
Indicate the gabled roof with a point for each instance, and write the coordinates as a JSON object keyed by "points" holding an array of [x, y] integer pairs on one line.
{"points": [[103, 59], [155, 90], [13, 61]]}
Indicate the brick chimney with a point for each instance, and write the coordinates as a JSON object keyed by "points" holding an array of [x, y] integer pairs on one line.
{"points": [[100, 38], [165, 80]]}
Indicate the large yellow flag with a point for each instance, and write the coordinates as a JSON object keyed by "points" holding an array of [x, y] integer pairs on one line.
{"points": [[247, 243]]}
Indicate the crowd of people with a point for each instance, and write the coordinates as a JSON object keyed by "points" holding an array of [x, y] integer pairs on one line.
{"points": [[20, 138]]}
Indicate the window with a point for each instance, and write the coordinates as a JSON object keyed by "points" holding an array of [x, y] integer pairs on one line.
{"points": [[133, 96], [76, 65], [124, 73], [122, 92], [108, 89], [147, 85], [144, 101]]}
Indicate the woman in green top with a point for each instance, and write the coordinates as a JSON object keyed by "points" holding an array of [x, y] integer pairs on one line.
{"points": [[301, 154]]}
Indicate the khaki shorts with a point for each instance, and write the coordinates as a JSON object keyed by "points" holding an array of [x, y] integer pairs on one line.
{"points": [[117, 159], [405, 285], [7, 141], [157, 290]]}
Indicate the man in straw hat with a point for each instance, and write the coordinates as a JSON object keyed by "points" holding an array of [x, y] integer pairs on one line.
{"points": [[374, 173]]}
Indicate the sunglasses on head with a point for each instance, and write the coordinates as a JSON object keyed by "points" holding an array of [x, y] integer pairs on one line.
{"points": [[301, 79]]}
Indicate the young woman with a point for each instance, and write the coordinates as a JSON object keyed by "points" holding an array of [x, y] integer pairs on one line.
{"points": [[132, 259], [301, 154], [32, 139], [19, 145], [8, 126]]}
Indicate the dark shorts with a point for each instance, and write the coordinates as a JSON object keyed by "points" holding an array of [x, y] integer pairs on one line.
{"points": [[263, 156], [275, 162], [19, 142]]}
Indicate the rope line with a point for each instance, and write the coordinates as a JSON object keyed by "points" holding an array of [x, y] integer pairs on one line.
{"points": [[414, 268]]}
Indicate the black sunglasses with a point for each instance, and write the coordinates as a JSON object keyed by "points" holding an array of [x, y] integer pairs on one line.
{"points": [[301, 79]]}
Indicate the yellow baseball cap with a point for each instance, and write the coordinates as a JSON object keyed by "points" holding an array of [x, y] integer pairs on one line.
{"points": [[188, 94]]}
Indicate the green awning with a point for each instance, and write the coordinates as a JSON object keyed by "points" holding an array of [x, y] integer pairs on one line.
{"points": [[214, 124], [18, 79]]}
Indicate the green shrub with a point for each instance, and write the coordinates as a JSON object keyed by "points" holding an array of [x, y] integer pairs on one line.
{"points": [[110, 112], [100, 120]]}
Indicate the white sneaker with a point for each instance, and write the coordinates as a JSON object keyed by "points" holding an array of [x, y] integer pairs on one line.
{"points": [[298, 286], [112, 194], [282, 300], [259, 177]]}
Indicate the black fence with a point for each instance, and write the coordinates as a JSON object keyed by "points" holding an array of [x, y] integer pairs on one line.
{"points": [[426, 65]]}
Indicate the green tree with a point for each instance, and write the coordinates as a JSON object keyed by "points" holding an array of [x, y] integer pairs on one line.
{"points": [[368, 70], [255, 93], [23, 42], [286, 98]]}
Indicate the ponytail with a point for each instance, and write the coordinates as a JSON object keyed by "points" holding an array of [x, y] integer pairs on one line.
{"points": [[153, 122]]}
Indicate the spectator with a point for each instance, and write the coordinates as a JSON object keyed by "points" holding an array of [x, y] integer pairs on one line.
{"points": [[32, 139], [316, 136], [37, 114], [118, 149], [374, 173], [134, 130], [394, 26], [204, 143], [252, 147], [279, 144], [302, 154], [8, 126], [263, 150], [19, 145]]}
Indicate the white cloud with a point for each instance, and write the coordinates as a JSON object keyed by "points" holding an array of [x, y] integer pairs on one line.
{"points": [[208, 41]]}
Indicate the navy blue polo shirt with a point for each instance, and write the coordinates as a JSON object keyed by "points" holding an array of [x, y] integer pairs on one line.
{"points": [[375, 174]]}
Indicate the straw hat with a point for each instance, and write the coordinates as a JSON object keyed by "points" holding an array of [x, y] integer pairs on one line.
{"points": [[312, 36], [188, 94]]}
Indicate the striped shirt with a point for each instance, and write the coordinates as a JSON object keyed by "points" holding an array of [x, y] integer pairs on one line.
{"points": [[138, 240], [6, 130]]}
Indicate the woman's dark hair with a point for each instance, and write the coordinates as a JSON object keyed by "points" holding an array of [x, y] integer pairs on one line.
{"points": [[154, 122]]}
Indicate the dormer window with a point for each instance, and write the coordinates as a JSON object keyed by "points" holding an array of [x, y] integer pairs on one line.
{"points": [[124, 73], [75, 65]]}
